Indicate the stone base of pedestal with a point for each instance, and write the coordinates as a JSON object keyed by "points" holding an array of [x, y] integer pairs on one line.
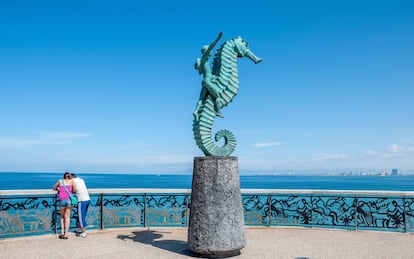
{"points": [[216, 227]]}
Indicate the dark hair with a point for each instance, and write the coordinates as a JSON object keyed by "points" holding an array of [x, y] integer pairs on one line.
{"points": [[66, 174], [73, 175]]}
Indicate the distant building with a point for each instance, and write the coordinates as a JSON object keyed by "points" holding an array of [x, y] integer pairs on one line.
{"points": [[394, 172]]}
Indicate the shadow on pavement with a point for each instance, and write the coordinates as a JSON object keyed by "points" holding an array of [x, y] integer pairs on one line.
{"points": [[150, 238]]}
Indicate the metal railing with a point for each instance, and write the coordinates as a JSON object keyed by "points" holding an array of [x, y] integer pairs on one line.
{"points": [[33, 212]]}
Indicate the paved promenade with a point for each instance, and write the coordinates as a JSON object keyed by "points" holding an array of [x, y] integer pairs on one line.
{"points": [[275, 242]]}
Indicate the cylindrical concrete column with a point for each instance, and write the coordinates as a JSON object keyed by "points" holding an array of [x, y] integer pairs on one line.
{"points": [[216, 225]]}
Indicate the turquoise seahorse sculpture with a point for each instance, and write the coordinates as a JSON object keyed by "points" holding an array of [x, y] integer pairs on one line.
{"points": [[219, 86]]}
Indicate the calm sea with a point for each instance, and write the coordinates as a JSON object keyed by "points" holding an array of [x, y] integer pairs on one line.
{"points": [[25, 181]]}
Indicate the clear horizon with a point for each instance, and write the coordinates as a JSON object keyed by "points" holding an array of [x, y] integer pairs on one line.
{"points": [[263, 172], [104, 87]]}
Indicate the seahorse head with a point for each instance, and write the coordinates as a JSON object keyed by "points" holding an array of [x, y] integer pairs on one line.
{"points": [[242, 49], [204, 49]]}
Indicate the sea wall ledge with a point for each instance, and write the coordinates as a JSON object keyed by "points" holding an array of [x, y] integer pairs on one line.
{"points": [[34, 212], [188, 191]]}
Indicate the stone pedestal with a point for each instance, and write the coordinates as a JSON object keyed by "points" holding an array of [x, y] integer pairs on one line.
{"points": [[216, 227]]}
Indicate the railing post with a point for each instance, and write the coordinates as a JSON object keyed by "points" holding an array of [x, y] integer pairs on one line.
{"points": [[101, 209], [55, 201], [145, 211]]}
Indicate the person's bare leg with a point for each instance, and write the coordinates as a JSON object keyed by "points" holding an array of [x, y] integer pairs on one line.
{"points": [[213, 89], [62, 221], [67, 220], [217, 106]]}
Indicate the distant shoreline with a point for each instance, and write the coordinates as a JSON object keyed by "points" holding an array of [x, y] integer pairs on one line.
{"points": [[241, 174]]}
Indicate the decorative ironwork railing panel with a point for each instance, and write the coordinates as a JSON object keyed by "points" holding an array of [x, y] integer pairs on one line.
{"points": [[122, 210], [333, 211], [255, 209], [289, 210], [380, 213], [20, 215], [37, 212], [409, 213], [171, 210]]}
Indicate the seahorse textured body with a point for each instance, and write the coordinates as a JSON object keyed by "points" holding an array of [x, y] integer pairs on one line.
{"points": [[226, 79]]}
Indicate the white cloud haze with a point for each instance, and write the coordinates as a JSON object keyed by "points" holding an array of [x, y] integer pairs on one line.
{"points": [[267, 144], [42, 138]]}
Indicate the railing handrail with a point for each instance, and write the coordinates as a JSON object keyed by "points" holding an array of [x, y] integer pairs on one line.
{"points": [[347, 192], [188, 191]]}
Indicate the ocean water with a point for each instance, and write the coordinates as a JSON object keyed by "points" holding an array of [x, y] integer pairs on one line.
{"points": [[26, 181]]}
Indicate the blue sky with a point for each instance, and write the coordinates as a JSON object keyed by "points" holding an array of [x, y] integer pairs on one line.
{"points": [[110, 86]]}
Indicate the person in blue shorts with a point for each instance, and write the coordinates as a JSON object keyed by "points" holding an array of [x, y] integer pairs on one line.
{"points": [[83, 205], [65, 188]]}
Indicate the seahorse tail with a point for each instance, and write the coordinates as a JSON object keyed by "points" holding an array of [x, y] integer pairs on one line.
{"points": [[229, 142], [202, 132]]}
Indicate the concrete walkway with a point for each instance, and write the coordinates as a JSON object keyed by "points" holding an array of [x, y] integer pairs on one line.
{"points": [[275, 242]]}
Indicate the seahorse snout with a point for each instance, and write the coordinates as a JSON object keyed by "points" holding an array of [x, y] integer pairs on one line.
{"points": [[253, 57]]}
